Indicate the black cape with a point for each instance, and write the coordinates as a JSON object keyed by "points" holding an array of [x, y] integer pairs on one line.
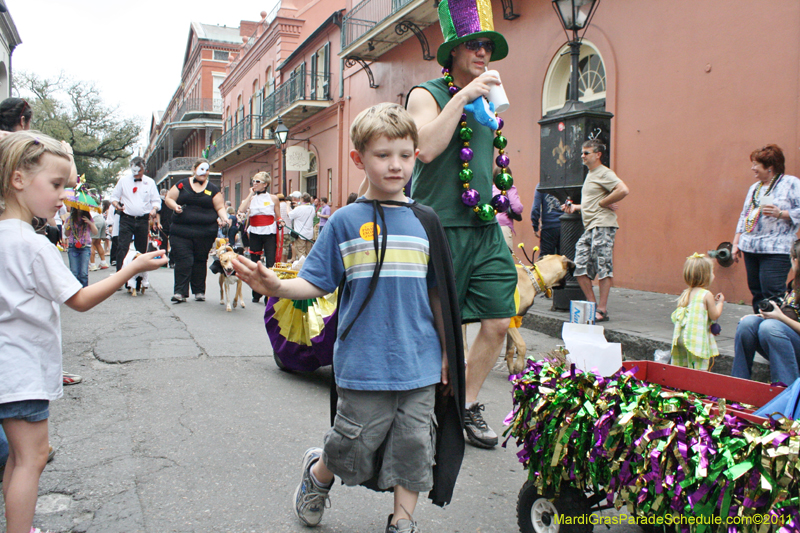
{"points": [[449, 410]]}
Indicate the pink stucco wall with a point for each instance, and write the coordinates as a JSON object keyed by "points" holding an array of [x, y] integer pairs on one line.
{"points": [[694, 88]]}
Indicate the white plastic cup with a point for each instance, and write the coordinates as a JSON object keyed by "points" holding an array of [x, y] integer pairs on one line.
{"points": [[497, 95], [767, 200]]}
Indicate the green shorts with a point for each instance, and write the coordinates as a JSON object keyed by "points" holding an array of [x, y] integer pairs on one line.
{"points": [[485, 275]]}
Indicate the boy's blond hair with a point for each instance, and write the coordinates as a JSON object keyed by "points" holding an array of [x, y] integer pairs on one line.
{"points": [[389, 120], [696, 273], [23, 150]]}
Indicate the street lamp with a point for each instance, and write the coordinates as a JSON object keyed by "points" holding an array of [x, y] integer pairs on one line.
{"points": [[575, 15], [561, 171], [281, 136]]}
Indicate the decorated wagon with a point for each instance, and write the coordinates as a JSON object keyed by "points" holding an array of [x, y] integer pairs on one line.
{"points": [[680, 449]]}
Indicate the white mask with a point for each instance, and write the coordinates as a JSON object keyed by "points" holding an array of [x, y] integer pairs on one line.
{"points": [[202, 169], [136, 169]]}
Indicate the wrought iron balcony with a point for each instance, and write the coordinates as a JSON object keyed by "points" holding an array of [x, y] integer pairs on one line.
{"points": [[242, 141], [302, 96], [175, 165], [195, 107], [373, 27]]}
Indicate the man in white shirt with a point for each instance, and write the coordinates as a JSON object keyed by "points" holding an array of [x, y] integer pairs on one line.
{"points": [[302, 218], [136, 200]]}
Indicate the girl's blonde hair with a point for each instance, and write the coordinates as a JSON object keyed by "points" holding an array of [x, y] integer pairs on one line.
{"points": [[697, 272], [23, 151]]}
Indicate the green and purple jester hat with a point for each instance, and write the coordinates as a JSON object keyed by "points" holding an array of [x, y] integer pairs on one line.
{"points": [[466, 20]]}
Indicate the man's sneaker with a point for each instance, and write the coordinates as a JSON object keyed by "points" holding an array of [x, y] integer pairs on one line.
{"points": [[70, 379], [402, 526], [103, 265], [178, 298], [200, 297], [93, 267], [310, 499], [479, 434]]}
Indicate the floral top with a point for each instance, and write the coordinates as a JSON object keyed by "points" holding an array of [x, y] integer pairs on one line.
{"points": [[82, 234], [771, 235]]}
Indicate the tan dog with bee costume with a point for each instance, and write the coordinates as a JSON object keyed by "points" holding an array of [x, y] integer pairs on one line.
{"points": [[229, 282], [546, 273]]}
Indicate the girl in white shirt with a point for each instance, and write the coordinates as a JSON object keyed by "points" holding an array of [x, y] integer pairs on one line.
{"points": [[34, 282]]}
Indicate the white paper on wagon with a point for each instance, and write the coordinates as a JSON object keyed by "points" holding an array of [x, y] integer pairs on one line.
{"points": [[589, 349]]}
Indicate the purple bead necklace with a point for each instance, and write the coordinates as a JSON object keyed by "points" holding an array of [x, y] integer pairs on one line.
{"points": [[503, 180]]}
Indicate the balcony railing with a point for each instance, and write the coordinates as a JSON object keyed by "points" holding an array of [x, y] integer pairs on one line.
{"points": [[175, 164], [365, 16], [247, 129], [197, 105], [301, 86]]}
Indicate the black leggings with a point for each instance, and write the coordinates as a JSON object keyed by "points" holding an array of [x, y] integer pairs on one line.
{"points": [[262, 244], [190, 255]]}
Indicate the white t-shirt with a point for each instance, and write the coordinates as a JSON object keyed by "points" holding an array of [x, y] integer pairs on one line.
{"points": [[302, 218], [34, 282]]}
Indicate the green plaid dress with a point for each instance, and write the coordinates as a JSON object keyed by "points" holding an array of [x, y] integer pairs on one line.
{"points": [[693, 345]]}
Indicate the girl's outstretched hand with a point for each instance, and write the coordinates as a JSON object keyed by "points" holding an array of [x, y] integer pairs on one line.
{"points": [[150, 261], [257, 276]]}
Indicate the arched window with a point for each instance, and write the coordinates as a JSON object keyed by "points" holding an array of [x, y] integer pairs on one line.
{"points": [[591, 79]]}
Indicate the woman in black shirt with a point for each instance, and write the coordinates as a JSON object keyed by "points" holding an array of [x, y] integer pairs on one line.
{"points": [[197, 204]]}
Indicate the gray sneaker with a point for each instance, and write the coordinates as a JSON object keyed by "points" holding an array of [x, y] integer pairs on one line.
{"points": [[310, 500], [402, 526], [200, 297], [479, 434]]}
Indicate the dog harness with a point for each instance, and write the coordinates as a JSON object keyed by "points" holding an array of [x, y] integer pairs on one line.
{"points": [[536, 277]]}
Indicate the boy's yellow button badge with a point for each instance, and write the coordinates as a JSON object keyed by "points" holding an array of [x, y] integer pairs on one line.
{"points": [[367, 232]]}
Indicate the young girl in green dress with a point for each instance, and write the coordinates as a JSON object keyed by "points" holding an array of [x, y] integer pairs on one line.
{"points": [[693, 345]]}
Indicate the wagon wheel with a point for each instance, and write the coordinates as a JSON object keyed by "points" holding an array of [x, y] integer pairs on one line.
{"points": [[537, 513], [280, 363], [653, 528]]}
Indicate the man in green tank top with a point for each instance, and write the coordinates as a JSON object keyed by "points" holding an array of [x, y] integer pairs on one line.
{"points": [[485, 275]]}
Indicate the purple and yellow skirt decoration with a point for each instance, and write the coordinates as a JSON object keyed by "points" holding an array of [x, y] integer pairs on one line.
{"points": [[302, 332]]}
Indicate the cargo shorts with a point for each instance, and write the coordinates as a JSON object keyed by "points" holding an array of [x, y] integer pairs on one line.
{"points": [[594, 253], [390, 435]]}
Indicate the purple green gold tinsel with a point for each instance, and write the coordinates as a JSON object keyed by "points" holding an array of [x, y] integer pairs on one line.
{"points": [[660, 451]]}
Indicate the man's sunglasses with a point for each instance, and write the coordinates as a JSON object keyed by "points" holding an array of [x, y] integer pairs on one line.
{"points": [[476, 45]]}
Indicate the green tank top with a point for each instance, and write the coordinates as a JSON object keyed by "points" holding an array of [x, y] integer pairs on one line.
{"points": [[436, 184]]}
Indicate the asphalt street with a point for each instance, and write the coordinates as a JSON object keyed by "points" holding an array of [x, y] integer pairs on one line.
{"points": [[183, 423]]}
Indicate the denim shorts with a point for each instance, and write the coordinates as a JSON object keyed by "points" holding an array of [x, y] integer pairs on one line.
{"points": [[28, 410], [390, 435]]}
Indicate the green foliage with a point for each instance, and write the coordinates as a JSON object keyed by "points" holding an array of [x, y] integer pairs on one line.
{"points": [[74, 111]]}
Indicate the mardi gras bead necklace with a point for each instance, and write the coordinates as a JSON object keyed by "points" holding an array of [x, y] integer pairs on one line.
{"points": [[754, 210], [503, 180]]}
